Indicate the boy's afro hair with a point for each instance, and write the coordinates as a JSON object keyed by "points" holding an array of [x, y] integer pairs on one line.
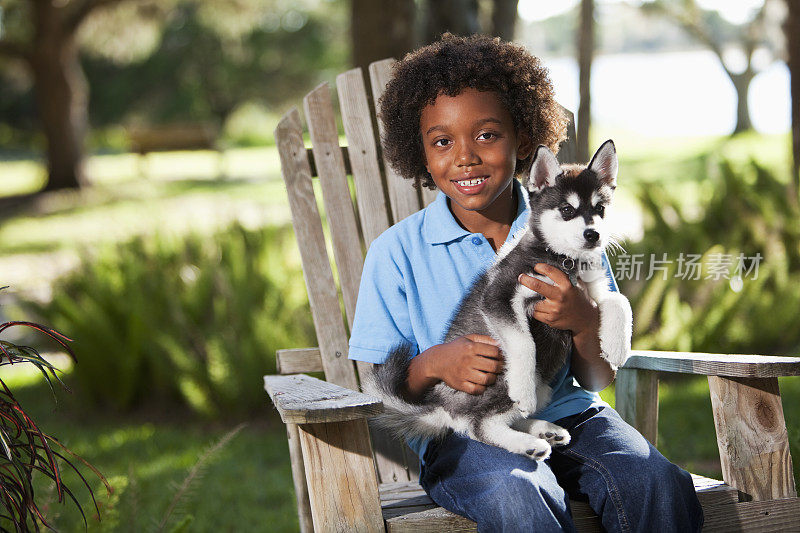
{"points": [[451, 65]]}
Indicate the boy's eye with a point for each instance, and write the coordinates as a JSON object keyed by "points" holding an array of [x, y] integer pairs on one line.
{"points": [[486, 135], [567, 210], [600, 209], [441, 142]]}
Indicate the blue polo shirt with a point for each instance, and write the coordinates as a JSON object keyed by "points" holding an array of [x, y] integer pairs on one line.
{"points": [[415, 275]]}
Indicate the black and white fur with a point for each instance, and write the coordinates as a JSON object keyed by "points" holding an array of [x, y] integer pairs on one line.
{"points": [[566, 229]]}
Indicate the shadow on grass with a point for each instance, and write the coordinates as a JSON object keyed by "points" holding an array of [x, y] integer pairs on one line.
{"points": [[146, 455]]}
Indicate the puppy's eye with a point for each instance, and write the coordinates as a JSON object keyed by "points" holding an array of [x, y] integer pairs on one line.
{"points": [[567, 210], [600, 209]]}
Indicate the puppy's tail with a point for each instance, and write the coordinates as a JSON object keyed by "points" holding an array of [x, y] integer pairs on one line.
{"points": [[387, 381]]}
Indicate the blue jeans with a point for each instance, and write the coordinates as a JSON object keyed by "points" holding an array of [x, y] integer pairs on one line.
{"points": [[627, 482]]}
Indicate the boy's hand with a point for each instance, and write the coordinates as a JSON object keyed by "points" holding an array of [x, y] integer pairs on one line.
{"points": [[565, 306], [470, 363]]}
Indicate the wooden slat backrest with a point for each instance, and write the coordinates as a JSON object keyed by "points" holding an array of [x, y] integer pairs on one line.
{"points": [[392, 457], [322, 294], [363, 151], [403, 197], [335, 193]]}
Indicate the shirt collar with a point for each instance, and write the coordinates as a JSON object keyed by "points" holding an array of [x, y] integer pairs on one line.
{"points": [[439, 225]]}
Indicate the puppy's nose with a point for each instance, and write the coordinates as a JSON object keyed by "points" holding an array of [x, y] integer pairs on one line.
{"points": [[591, 235]]}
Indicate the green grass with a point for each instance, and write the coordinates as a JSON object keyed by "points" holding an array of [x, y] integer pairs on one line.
{"points": [[181, 193], [147, 455]]}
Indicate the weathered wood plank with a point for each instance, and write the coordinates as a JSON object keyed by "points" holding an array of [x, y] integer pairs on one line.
{"points": [[568, 152], [342, 485], [428, 196], [752, 438], [402, 195], [781, 515], [389, 457], [336, 194], [317, 272], [374, 216], [313, 165], [298, 361], [713, 491], [712, 364], [299, 480], [372, 208], [301, 399], [436, 519], [637, 400]]}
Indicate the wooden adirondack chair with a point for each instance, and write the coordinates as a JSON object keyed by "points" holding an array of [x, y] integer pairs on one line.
{"points": [[349, 477]]}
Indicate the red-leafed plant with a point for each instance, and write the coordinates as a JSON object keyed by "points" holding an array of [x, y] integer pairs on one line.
{"points": [[24, 448]]}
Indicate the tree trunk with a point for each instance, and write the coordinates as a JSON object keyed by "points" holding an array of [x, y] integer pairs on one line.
{"points": [[741, 82], [791, 29], [381, 29], [504, 19], [456, 16], [585, 56], [61, 97]]}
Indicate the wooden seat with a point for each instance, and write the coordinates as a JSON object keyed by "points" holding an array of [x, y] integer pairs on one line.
{"points": [[407, 508], [349, 477]]}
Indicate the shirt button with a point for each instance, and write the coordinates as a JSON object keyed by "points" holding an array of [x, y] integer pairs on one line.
{"points": [[476, 240]]}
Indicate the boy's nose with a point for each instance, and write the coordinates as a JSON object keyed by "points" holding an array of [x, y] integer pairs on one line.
{"points": [[467, 156]]}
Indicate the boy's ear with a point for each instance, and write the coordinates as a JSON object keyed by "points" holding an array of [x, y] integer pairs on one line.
{"points": [[604, 163], [544, 170]]}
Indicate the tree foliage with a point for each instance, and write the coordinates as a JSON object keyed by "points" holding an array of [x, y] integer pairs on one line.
{"points": [[154, 61], [206, 63]]}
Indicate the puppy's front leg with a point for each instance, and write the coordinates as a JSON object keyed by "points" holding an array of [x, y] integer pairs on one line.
{"points": [[495, 430], [616, 322], [519, 352]]}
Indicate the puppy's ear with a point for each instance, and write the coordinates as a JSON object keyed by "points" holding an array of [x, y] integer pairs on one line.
{"points": [[544, 170], [604, 163]]}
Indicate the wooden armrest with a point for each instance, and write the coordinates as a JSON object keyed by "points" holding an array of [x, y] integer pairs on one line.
{"points": [[301, 399], [711, 364]]}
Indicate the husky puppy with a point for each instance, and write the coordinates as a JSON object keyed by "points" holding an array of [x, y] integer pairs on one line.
{"points": [[566, 229]]}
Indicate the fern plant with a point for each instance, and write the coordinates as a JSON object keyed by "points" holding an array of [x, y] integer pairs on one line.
{"points": [[25, 448]]}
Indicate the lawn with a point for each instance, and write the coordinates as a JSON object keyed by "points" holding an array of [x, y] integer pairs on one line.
{"points": [[146, 457]]}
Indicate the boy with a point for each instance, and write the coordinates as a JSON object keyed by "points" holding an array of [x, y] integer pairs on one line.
{"points": [[463, 115]]}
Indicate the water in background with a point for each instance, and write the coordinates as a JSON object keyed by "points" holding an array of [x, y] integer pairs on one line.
{"points": [[673, 94]]}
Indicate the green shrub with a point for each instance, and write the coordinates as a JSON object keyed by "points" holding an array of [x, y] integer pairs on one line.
{"points": [[195, 321], [745, 211]]}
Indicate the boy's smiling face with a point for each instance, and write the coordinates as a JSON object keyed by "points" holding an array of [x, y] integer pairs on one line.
{"points": [[471, 149]]}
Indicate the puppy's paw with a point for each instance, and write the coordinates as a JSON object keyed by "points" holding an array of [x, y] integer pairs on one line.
{"points": [[616, 327], [553, 434], [533, 447]]}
